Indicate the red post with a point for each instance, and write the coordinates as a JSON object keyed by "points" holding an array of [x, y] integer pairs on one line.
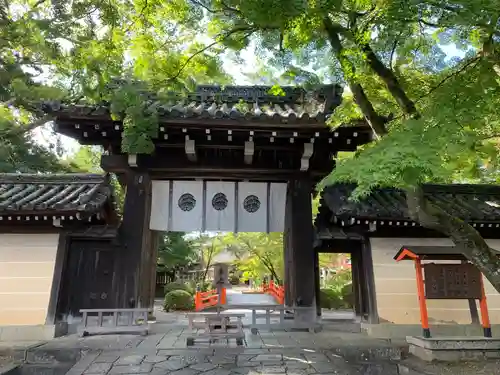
{"points": [[197, 301], [223, 296], [485, 319], [424, 318]]}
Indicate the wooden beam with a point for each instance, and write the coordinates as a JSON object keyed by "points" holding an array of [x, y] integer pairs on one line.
{"points": [[132, 160], [248, 152], [190, 148], [306, 155], [115, 163]]}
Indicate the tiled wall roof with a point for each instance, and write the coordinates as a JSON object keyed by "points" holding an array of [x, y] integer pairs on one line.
{"points": [[30, 193], [473, 203]]}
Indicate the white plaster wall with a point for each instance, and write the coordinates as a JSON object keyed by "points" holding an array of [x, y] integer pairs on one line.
{"points": [[396, 289], [26, 272]]}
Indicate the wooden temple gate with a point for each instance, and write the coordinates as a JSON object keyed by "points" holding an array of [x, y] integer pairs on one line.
{"points": [[276, 139]]}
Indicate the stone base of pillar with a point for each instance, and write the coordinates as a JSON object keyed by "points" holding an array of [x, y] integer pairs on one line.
{"points": [[288, 313], [305, 315]]}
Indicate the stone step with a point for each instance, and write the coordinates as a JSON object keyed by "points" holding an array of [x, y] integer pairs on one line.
{"points": [[37, 369], [37, 360], [405, 370], [341, 326], [358, 353]]}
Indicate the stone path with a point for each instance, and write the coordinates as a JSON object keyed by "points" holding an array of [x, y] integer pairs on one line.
{"points": [[226, 362], [290, 353], [236, 298]]}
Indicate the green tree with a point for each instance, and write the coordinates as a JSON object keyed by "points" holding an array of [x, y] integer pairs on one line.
{"points": [[20, 153], [433, 118], [207, 247], [259, 254], [87, 159], [176, 251], [74, 51]]}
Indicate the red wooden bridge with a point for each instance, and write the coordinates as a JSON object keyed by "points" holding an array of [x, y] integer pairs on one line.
{"points": [[271, 293]]}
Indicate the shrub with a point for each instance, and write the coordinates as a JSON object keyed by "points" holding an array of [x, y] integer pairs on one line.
{"points": [[330, 299], [234, 280], [178, 300], [348, 295], [177, 285]]}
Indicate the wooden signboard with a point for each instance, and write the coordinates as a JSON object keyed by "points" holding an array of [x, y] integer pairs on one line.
{"points": [[452, 281]]}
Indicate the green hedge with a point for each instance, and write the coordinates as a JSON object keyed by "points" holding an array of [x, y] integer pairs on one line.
{"points": [[234, 280], [330, 299], [348, 295], [178, 300], [177, 285]]}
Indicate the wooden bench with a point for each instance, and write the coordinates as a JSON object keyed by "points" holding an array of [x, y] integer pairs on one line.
{"points": [[122, 321], [216, 326], [271, 312]]}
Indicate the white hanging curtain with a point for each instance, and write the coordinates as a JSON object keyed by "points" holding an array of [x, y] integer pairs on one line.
{"points": [[187, 206], [277, 202], [252, 207], [160, 206], [220, 206]]}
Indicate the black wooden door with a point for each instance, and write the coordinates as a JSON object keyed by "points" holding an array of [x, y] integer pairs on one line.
{"points": [[89, 276]]}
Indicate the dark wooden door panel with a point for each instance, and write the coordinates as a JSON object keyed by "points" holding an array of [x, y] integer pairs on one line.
{"points": [[88, 279]]}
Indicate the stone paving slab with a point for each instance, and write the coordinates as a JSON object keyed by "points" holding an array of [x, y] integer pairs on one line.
{"points": [[245, 362]]}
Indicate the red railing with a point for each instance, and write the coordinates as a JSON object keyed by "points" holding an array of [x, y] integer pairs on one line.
{"points": [[202, 300], [278, 292]]}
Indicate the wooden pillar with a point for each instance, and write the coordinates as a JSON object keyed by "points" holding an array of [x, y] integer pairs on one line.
{"points": [[288, 258], [299, 198], [369, 281], [148, 280], [317, 286], [133, 264], [357, 286]]}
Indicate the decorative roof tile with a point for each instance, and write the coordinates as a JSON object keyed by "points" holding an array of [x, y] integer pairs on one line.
{"points": [[245, 103], [53, 194], [473, 203]]}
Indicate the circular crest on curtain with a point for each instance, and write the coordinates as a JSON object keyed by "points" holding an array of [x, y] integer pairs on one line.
{"points": [[251, 204], [186, 202], [219, 201]]}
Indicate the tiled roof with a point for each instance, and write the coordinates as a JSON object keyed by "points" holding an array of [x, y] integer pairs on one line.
{"points": [[53, 194], [248, 103], [473, 203]]}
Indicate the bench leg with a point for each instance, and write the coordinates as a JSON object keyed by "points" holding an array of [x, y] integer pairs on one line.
{"points": [[239, 342]]}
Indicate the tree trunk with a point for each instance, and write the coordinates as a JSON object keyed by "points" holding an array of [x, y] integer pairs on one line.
{"points": [[390, 80], [376, 121], [491, 54], [465, 237]]}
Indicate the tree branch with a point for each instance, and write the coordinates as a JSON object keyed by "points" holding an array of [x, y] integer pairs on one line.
{"points": [[207, 47], [215, 11], [444, 80], [196, 2], [464, 236], [390, 80], [393, 50], [376, 122], [17, 130]]}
